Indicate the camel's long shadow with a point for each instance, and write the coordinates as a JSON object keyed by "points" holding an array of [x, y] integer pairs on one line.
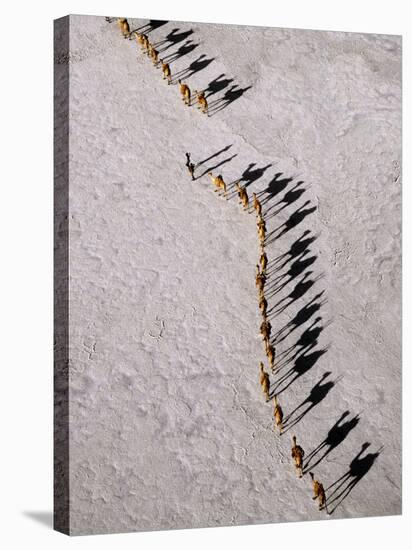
{"points": [[335, 436], [303, 363], [183, 50], [296, 268], [344, 485], [196, 66], [317, 394], [173, 38], [227, 99], [251, 174], [297, 248], [300, 289]]}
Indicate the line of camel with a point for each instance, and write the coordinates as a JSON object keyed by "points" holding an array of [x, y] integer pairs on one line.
{"points": [[359, 466], [152, 51]]}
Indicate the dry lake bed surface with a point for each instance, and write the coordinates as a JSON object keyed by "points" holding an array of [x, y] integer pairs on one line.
{"points": [[169, 427]]}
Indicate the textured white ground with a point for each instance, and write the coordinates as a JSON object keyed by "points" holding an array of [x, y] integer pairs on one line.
{"points": [[169, 427]]}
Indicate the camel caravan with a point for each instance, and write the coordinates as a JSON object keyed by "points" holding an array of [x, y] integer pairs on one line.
{"points": [[149, 49], [220, 187]]}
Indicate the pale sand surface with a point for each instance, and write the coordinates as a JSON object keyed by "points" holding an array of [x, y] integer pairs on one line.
{"points": [[169, 427]]}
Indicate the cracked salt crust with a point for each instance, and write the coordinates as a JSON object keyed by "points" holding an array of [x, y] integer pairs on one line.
{"points": [[169, 428]]}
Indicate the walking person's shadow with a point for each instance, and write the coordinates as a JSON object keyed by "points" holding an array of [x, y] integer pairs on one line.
{"points": [[300, 290], [174, 37], [289, 197], [294, 219], [214, 155], [215, 166], [198, 65]]}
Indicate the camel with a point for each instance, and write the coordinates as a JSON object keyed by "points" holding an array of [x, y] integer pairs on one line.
{"points": [[262, 233], [318, 492], [219, 182], [257, 205], [223, 186], [265, 330], [244, 199], [150, 49], [260, 281], [278, 415], [203, 105], [263, 261], [264, 381], [271, 354], [185, 91], [239, 191], [297, 454], [166, 71], [146, 45], [263, 304], [266, 341], [139, 37], [124, 27], [155, 56], [262, 373]]}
